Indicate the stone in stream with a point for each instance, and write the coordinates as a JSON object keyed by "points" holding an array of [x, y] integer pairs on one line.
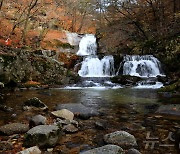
{"points": [[42, 135], [64, 114], [79, 110], [133, 151], [120, 138], [5, 108], [14, 128], [35, 104], [1, 85], [172, 109], [32, 150], [5, 145], [70, 128], [61, 122], [107, 149], [126, 80], [100, 125], [37, 120], [177, 139]]}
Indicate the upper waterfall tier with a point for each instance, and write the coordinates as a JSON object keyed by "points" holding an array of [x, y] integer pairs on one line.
{"points": [[87, 45], [143, 66], [92, 66]]}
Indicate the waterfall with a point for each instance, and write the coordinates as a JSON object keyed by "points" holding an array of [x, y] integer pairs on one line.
{"points": [[92, 66], [142, 66], [87, 45]]}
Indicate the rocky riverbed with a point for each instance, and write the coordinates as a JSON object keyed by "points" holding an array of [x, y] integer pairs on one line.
{"points": [[118, 121]]}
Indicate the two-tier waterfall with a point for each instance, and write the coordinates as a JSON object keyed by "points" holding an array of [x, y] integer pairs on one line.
{"points": [[92, 65]]}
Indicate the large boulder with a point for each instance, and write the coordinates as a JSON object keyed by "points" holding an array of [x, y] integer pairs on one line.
{"points": [[42, 135], [34, 104], [64, 114], [14, 128], [79, 110], [126, 80], [120, 138], [107, 149]]}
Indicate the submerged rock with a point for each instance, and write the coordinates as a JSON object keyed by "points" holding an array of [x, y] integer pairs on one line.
{"points": [[34, 103], [133, 151], [14, 128], [4, 145], [42, 135], [5, 108], [70, 128], [37, 120], [120, 138], [64, 114], [107, 149], [32, 150], [79, 110], [61, 122], [172, 109], [100, 125]]}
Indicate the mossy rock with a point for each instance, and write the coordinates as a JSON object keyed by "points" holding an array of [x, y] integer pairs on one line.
{"points": [[63, 45], [8, 59], [171, 88]]}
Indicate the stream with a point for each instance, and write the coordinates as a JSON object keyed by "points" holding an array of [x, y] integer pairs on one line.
{"points": [[132, 110]]}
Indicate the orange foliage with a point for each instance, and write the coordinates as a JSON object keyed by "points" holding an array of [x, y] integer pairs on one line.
{"points": [[68, 59]]}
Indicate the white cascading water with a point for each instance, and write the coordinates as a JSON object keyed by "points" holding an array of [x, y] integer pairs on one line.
{"points": [[142, 66], [92, 66], [87, 45]]}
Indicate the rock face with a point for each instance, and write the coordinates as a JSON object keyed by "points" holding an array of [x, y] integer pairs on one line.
{"points": [[107, 149], [42, 135], [79, 110], [32, 150], [37, 120], [64, 114], [120, 138], [21, 65], [13, 128], [34, 103], [126, 80]]}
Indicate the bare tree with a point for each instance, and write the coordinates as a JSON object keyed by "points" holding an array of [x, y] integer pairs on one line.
{"points": [[1, 4], [30, 7]]}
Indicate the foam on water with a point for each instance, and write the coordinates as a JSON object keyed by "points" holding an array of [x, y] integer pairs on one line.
{"points": [[148, 86]]}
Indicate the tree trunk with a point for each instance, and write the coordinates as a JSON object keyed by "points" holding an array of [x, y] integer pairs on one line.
{"points": [[1, 3]]}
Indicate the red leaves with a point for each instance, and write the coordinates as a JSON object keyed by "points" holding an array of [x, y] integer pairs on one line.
{"points": [[8, 42]]}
